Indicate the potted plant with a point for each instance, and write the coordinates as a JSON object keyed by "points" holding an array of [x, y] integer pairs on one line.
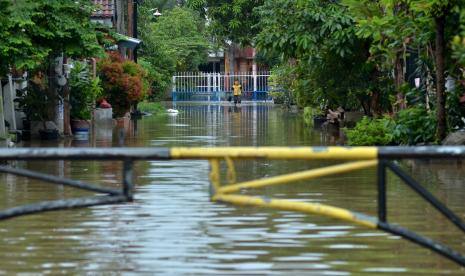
{"points": [[83, 94], [124, 82], [38, 105]]}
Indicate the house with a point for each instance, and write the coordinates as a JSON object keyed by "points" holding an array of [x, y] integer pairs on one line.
{"points": [[121, 15], [234, 60]]}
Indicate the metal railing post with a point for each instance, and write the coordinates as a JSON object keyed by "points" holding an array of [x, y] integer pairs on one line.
{"points": [[381, 172], [214, 177], [127, 179]]}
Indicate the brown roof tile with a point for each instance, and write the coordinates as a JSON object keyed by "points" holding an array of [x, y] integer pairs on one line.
{"points": [[104, 8]]}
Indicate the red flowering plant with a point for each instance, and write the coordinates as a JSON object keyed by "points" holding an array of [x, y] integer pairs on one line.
{"points": [[124, 83]]}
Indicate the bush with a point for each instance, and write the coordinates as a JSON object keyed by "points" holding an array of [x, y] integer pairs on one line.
{"points": [[310, 113], [151, 107], [83, 91], [411, 126], [415, 125], [372, 132], [124, 83], [159, 80], [278, 97]]}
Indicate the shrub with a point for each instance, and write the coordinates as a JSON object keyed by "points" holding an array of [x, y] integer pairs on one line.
{"points": [[414, 125], [83, 91], [310, 113], [369, 132], [159, 80], [151, 107], [124, 83], [411, 126]]}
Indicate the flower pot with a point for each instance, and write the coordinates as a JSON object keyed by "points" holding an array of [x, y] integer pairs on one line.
{"points": [[48, 134], [80, 125], [318, 121], [26, 132]]}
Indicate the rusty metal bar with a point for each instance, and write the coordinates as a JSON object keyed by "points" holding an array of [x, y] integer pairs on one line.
{"points": [[426, 195], [85, 154], [58, 180], [59, 205], [236, 152], [127, 179], [423, 152]]}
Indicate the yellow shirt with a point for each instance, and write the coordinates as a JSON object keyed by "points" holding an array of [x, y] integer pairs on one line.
{"points": [[237, 89]]}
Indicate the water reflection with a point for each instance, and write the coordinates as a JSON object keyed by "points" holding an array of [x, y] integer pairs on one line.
{"points": [[173, 229]]}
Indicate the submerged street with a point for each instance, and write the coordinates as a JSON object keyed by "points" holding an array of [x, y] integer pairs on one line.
{"points": [[173, 228]]}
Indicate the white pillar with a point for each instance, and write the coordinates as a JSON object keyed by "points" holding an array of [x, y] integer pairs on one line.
{"points": [[3, 133], [215, 84], [254, 74], [173, 89], [8, 104]]}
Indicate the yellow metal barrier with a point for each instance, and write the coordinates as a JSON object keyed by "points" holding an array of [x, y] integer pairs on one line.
{"points": [[312, 208], [292, 177], [278, 153], [218, 192], [368, 157]]}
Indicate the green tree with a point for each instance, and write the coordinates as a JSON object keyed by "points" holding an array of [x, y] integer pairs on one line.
{"points": [[175, 41], [441, 13], [392, 28], [16, 45], [231, 20], [329, 63]]}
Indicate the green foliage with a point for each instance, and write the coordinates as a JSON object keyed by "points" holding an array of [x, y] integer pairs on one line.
{"points": [[35, 100], [159, 81], [16, 45], [390, 26], [314, 27], [123, 82], [458, 41], [411, 126], [372, 132], [83, 91], [30, 31], [310, 113], [324, 64], [176, 41], [178, 38], [414, 126], [232, 20], [151, 107], [279, 97]]}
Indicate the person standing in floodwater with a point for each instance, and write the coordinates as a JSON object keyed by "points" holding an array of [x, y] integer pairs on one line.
{"points": [[237, 92]]}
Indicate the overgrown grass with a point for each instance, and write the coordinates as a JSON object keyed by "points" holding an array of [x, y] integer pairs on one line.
{"points": [[151, 107]]}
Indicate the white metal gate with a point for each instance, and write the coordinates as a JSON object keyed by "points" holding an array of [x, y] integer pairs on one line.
{"points": [[201, 86]]}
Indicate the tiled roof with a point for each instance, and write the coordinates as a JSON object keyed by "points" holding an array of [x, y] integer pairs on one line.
{"points": [[104, 8]]}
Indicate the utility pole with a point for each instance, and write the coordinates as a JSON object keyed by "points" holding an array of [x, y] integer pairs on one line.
{"points": [[134, 26]]}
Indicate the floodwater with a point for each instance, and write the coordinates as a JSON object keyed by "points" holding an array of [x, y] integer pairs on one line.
{"points": [[173, 229]]}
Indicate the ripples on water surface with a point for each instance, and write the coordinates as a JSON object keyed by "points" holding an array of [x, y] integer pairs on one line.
{"points": [[173, 229]]}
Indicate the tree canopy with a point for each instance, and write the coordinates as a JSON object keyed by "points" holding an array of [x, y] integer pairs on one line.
{"points": [[33, 30], [175, 41]]}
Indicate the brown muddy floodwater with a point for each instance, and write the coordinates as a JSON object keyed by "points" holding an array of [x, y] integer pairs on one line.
{"points": [[173, 229]]}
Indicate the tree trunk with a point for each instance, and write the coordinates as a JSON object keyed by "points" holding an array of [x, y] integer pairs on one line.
{"points": [[399, 80], [440, 79], [375, 103], [66, 111]]}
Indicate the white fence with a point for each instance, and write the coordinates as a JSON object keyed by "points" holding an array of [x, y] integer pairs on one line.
{"points": [[192, 86]]}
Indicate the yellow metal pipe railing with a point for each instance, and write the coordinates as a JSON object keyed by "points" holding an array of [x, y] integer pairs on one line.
{"points": [[312, 208], [277, 153], [298, 176]]}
